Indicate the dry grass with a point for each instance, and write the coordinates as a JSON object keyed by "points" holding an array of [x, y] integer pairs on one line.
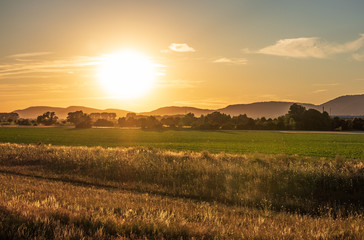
{"points": [[52, 192]]}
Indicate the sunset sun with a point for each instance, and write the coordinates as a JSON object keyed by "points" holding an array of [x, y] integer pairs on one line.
{"points": [[126, 74]]}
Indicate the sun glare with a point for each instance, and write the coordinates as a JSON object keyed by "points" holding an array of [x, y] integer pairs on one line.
{"points": [[126, 74]]}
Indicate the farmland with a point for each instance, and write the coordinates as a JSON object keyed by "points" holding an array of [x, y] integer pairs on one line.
{"points": [[327, 145], [62, 183], [57, 192]]}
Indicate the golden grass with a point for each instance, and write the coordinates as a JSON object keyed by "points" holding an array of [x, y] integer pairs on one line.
{"points": [[52, 192]]}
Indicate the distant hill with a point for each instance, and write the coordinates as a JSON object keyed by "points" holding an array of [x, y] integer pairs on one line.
{"points": [[351, 105], [262, 109], [178, 110], [34, 112]]}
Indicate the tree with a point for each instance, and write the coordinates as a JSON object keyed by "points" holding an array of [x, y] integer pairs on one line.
{"points": [[108, 116], [95, 116], [25, 122], [8, 117], [315, 120], [296, 113], [130, 115], [79, 119], [280, 123], [150, 123], [358, 124], [171, 121], [243, 122], [122, 122], [48, 118], [214, 121], [188, 119], [103, 123], [132, 122]]}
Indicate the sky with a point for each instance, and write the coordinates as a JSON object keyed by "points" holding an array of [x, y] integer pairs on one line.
{"points": [[208, 53]]}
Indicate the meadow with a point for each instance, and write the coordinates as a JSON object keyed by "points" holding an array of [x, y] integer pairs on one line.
{"points": [[320, 144], [134, 184], [59, 192]]}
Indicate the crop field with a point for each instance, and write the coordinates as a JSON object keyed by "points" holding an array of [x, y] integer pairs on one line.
{"points": [[60, 192], [63, 183], [327, 145]]}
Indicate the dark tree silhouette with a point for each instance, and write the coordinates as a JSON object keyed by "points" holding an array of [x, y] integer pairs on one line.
{"points": [[298, 118], [79, 119], [296, 113], [150, 123], [188, 119], [48, 118], [103, 123], [358, 124], [171, 122], [25, 122], [243, 122], [8, 117], [315, 120]]}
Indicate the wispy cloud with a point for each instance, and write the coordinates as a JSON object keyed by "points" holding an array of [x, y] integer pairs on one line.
{"points": [[179, 47], [29, 55], [31, 89], [325, 84], [48, 66], [358, 56], [311, 47], [320, 91], [177, 84], [235, 61], [210, 103], [272, 97]]}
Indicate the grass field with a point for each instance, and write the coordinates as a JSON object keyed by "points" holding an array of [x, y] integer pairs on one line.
{"points": [[134, 184], [328, 145], [58, 192]]}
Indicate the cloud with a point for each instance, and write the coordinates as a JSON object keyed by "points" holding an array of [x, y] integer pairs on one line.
{"points": [[27, 55], [209, 103], [181, 47], [31, 90], [320, 91], [177, 83], [358, 57], [48, 66], [325, 84], [311, 47], [236, 61]]}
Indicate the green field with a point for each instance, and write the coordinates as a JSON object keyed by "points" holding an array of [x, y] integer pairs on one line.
{"points": [[328, 145]]}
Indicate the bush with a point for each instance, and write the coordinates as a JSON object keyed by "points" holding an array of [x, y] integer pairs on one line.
{"points": [[24, 122]]}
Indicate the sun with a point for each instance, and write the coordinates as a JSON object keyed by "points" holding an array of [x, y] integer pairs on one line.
{"points": [[126, 74]]}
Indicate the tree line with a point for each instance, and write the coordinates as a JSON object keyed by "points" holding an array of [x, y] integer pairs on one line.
{"points": [[297, 118]]}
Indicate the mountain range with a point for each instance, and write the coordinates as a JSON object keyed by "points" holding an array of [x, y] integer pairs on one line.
{"points": [[349, 105]]}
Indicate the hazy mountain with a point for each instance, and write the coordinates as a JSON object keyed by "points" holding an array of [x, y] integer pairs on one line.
{"points": [[178, 110], [351, 105], [262, 109], [34, 112]]}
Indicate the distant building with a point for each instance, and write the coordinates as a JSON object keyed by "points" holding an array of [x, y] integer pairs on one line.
{"points": [[8, 117]]}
